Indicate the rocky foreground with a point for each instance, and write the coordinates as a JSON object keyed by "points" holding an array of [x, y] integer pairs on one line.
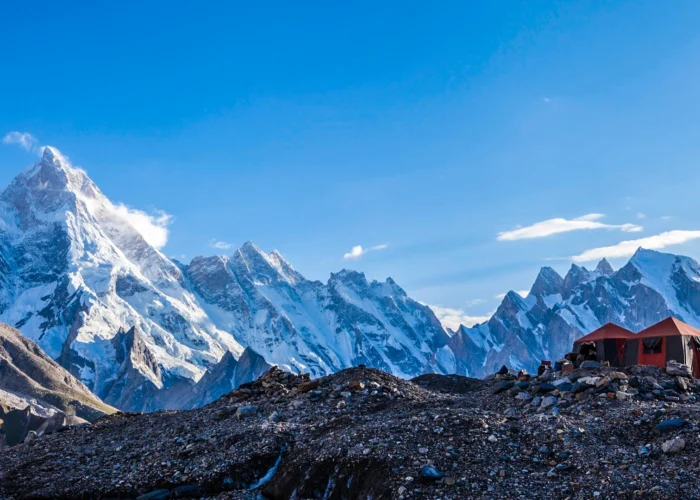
{"points": [[362, 433]]}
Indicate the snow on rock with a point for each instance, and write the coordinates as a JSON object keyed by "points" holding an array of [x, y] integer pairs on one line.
{"points": [[140, 330]]}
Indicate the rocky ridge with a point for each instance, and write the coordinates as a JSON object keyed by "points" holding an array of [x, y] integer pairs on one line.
{"points": [[36, 394]]}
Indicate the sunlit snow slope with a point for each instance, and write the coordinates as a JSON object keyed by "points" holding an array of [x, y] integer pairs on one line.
{"points": [[140, 330]]}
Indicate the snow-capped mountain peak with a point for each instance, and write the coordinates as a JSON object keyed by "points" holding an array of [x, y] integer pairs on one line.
{"points": [[649, 288], [548, 282], [140, 330], [604, 267]]}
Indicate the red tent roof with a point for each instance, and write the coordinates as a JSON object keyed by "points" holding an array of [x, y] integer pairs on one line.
{"points": [[669, 327], [609, 331]]}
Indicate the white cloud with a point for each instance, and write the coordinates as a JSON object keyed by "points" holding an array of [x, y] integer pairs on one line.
{"points": [[522, 293], [475, 302], [452, 318], [560, 225], [153, 227], [641, 215], [546, 99], [628, 247], [358, 251], [25, 140], [219, 245]]}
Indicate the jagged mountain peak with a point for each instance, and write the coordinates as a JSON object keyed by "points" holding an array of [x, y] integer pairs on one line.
{"points": [[268, 267], [658, 266], [548, 282], [349, 275], [250, 248], [604, 267], [644, 257], [55, 171], [50, 188], [512, 301], [574, 277]]}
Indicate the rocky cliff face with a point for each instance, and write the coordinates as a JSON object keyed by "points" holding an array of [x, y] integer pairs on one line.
{"points": [[36, 394], [649, 288]]}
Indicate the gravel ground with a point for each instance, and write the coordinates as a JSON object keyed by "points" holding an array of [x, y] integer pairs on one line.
{"points": [[362, 433]]}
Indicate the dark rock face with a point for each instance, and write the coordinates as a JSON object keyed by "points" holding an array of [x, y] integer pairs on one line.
{"points": [[27, 372], [226, 375], [37, 396]]}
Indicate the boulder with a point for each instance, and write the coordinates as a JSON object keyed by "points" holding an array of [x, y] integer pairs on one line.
{"points": [[623, 396], [676, 369], [670, 425], [547, 402], [673, 446], [502, 386], [246, 411], [682, 384], [431, 473]]}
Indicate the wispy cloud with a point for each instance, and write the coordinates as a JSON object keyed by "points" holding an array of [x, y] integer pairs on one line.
{"points": [[219, 245], [522, 293], [25, 140], [641, 215], [358, 251], [452, 318], [628, 247], [153, 227], [559, 225], [475, 302]]}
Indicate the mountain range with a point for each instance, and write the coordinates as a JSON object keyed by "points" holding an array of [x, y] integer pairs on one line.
{"points": [[543, 325], [143, 331]]}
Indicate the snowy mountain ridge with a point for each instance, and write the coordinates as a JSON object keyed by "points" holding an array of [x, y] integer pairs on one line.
{"points": [[141, 330], [543, 325], [144, 332]]}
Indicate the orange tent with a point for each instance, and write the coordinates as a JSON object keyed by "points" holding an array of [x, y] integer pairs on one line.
{"points": [[667, 340], [609, 343]]}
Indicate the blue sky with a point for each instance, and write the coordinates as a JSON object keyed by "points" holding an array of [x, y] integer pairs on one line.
{"points": [[419, 130]]}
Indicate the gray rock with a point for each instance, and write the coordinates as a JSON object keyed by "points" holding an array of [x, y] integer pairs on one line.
{"points": [[548, 401], [673, 446], [623, 396], [676, 369], [246, 411]]}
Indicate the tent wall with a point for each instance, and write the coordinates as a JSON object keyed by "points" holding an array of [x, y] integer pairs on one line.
{"points": [[631, 353], [655, 359], [677, 349]]}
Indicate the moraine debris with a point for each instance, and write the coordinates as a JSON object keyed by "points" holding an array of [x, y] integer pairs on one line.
{"points": [[363, 433]]}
